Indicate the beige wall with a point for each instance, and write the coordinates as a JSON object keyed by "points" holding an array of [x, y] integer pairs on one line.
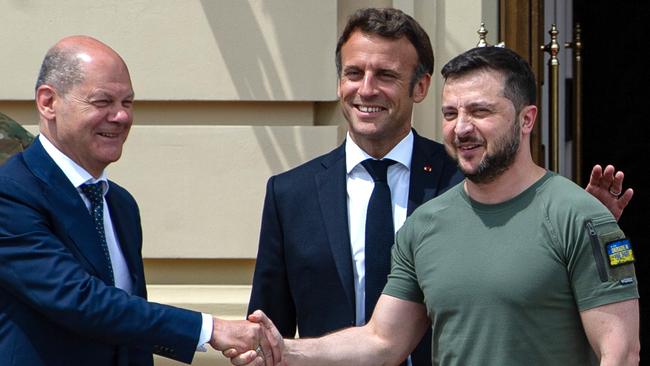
{"points": [[229, 92], [186, 50]]}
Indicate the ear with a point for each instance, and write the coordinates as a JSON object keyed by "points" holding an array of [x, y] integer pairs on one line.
{"points": [[338, 88], [421, 88], [45, 101], [527, 117]]}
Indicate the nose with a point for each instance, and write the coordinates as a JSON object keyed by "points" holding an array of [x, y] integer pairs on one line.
{"points": [[464, 125], [121, 114], [368, 86]]}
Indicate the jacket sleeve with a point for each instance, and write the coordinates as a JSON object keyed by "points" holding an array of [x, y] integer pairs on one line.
{"points": [[44, 277], [271, 291]]}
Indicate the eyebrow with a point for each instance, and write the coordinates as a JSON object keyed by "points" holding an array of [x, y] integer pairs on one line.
{"points": [[351, 67], [376, 70], [480, 104], [106, 94], [470, 106]]}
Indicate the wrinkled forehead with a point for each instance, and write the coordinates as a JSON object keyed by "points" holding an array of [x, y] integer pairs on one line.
{"points": [[109, 79], [364, 45], [481, 81], [475, 88]]}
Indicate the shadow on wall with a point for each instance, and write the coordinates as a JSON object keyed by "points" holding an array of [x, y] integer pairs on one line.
{"points": [[282, 56], [287, 147], [13, 137], [279, 44]]}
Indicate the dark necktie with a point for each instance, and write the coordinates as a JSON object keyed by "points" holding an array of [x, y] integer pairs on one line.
{"points": [[379, 232], [95, 195]]}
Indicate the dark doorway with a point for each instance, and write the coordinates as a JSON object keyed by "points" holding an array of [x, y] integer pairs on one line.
{"points": [[616, 121]]}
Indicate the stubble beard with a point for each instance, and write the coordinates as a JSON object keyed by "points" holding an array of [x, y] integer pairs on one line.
{"points": [[495, 164]]}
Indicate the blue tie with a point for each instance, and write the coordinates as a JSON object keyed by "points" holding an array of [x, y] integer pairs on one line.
{"points": [[95, 194], [379, 232]]}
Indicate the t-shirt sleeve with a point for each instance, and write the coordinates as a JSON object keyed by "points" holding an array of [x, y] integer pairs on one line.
{"points": [[402, 280], [601, 264]]}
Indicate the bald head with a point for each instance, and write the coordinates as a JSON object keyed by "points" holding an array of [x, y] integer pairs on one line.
{"points": [[84, 98], [65, 63]]}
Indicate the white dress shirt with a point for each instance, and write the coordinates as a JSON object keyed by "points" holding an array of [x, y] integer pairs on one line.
{"points": [[79, 176], [359, 188]]}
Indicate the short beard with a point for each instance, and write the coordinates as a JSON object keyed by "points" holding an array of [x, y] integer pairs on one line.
{"points": [[493, 165]]}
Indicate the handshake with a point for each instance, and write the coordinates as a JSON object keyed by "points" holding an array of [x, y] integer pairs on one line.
{"points": [[255, 341]]}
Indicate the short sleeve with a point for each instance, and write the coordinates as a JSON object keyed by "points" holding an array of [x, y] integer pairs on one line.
{"points": [[601, 268], [402, 280]]}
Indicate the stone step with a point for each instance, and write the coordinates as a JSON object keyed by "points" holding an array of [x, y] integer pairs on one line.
{"points": [[224, 301]]}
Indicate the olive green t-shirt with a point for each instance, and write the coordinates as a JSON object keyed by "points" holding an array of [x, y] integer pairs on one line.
{"points": [[504, 284]]}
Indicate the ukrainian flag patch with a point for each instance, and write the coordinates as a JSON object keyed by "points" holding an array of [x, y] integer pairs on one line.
{"points": [[620, 252]]}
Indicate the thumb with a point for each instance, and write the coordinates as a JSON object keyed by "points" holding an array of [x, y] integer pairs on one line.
{"points": [[273, 337]]}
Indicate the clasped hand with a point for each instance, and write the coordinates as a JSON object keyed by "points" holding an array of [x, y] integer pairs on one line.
{"points": [[248, 342]]}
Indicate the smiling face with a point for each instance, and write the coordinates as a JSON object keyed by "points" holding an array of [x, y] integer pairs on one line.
{"points": [[374, 90], [91, 121], [481, 127]]}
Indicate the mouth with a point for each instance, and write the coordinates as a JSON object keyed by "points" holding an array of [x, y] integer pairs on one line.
{"points": [[110, 135], [467, 146], [369, 108]]}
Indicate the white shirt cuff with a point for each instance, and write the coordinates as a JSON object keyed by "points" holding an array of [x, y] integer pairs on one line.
{"points": [[206, 332]]}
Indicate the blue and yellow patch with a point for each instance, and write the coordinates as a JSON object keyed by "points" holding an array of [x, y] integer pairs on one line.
{"points": [[620, 252]]}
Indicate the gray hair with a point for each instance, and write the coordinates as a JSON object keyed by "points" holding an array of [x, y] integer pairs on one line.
{"points": [[61, 69]]}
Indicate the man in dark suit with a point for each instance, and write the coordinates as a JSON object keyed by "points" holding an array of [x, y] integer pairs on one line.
{"points": [[72, 286], [310, 272]]}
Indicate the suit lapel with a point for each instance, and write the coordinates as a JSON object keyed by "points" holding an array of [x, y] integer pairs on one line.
{"points": [[70, 209], [427, 166], [332, 195]]}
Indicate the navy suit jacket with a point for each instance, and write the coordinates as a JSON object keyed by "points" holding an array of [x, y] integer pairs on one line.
{"points": [[55, 306], [304, 271]]}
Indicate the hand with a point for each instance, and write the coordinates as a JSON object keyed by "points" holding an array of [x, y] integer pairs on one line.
{"points": [[274, 341], [607, 187], [242, 338]]}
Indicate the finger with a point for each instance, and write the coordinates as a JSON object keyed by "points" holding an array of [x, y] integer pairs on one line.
{"points": [[595, 181], [608, 177], [617, 182], [248, 357], [267, 350], [625, 198], [261, 318], [596, 173], [230, 353], [273, 337], [256, 316]]}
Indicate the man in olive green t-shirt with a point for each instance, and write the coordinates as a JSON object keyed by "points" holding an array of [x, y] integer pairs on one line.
{"points": [[510, 283], [515, 265]]}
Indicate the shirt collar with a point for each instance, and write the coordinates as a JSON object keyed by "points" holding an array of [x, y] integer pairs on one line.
{"points": [[73, 171], [401, 153]]}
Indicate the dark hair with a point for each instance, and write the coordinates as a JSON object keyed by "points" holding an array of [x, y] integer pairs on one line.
{"points": [[61, 69], [390, 23], [519, 85]]}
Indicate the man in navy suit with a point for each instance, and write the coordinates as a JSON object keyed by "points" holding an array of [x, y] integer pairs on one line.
{"points": [[72, 286], [310, 270]]}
